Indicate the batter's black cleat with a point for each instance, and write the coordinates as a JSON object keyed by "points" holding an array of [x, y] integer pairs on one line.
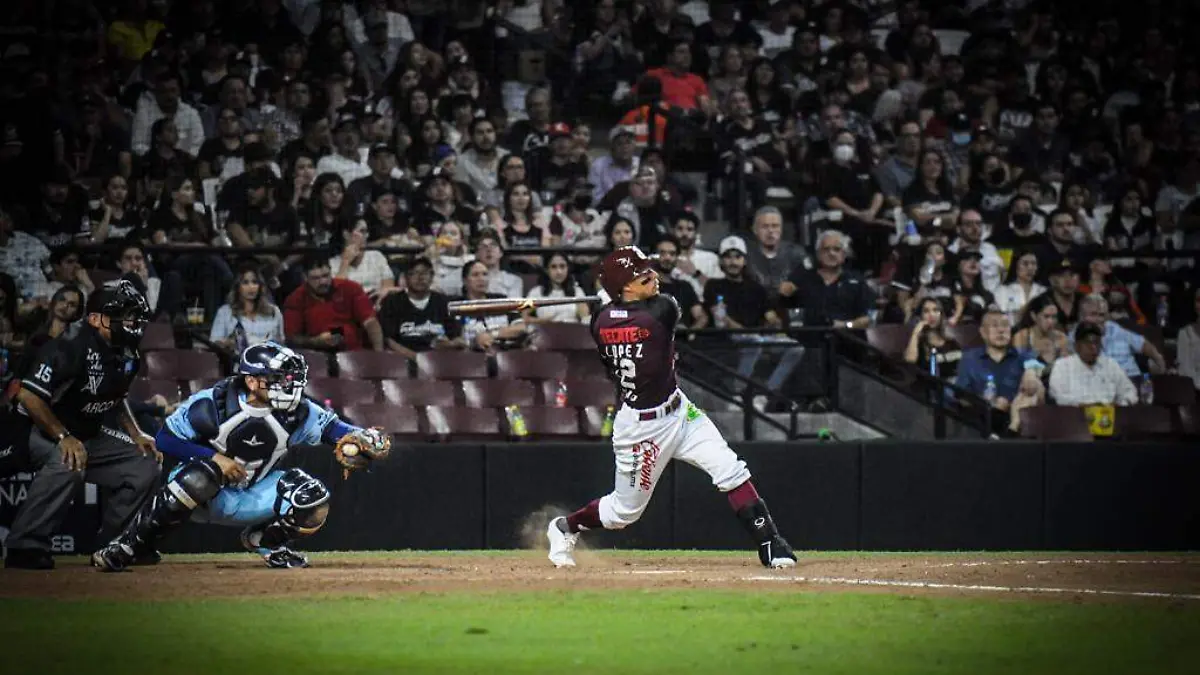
{"points": [[776, 553], [115, 557], [284, 557], [146, 557], [28, 559]]}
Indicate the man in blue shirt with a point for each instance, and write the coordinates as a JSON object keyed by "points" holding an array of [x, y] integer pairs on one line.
{"points": [[1120, 344], [997, 358]]}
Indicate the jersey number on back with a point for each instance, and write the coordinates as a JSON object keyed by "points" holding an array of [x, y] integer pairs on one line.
{"points": [[627, 372]]}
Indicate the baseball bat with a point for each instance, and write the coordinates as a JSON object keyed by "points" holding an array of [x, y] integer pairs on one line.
{"points": [[507, 305]]}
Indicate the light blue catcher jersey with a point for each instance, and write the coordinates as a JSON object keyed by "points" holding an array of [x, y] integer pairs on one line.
{"points": [[220, 418]]}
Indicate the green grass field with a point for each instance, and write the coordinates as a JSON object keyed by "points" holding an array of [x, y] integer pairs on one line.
{"points": [[526, 629]]}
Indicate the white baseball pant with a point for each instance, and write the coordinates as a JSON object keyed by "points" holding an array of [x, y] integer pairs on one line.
{"points": [[644, 447]]}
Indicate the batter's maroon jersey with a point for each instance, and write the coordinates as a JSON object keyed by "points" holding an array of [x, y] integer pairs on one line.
{"points": [[637, 345]]}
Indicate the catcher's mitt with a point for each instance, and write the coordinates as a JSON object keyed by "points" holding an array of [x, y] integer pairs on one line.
{"points": [[357, 450]]}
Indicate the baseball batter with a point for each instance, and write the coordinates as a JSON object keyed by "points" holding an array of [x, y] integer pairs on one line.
{"points": [[656, 422], [230, 438]]}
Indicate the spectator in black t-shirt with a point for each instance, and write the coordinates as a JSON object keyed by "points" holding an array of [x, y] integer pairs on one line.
{"points": [[551, 169], [62, 216], [930, 198], [691, 313], [232, 198], [418, 319], [746, 139], [1019, 229], [388, 224], [227, 143], [971, 299], [533, 132], [113, 216], [737, 301], [382, 161], [831, 294], [1042, 150], [265, 221], [1060, 244], [439, 205], [847, 185], [722, 30], [163, 159], [316, 139]]}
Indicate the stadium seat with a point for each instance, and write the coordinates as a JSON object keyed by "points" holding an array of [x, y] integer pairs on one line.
{"points": [[142, 389], [419, 392], [531, 365], [399, 420], [342, 393], [1189, 420], [583, 365], [497, 393], [446, 423], [1142, 422], [1172, 390], [967, 335], [563, 337], [180, 364], [101, 277], [202, 383], [889, 338], [528, 281], [372, 365], [452, 365], [543, 423], [581, 393], [1055, 423], [318, 363], [158, 336]]}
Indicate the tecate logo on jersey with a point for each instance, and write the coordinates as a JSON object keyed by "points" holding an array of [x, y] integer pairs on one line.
{"points": [[623, 336], [645, 456]]}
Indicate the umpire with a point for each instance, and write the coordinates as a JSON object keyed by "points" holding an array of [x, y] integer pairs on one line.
{"points": [[71, 386]]}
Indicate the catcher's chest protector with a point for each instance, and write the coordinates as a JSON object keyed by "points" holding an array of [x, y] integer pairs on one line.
{"points": [[256, 436]]}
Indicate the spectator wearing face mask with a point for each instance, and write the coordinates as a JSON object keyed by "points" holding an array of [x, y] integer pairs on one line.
{"points": [[1023, 228], [848, 186]]}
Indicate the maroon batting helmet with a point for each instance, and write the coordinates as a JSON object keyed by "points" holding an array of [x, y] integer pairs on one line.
{"points": [[621, 267]]}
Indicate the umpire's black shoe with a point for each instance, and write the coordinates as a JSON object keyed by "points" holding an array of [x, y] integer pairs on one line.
{"points": [[776, 553], [146, 558], [28, 559]]}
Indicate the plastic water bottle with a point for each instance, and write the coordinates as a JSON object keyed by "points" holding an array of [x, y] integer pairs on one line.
{"points": [[240, 342], [933, 362], [912, 236], [1146, 391], [606, 427], [989, 390], [560, 395], [927, 271], [3, 362], [720, 314], [824, 435], [516, 421], [1163, 313]]}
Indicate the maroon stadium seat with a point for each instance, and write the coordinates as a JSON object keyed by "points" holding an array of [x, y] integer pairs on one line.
{"points": [[1172, 390], [563, 337], [451, 365], [585, 365], [531, 365], [1055, 423], [967, 335], [1143, 422], [202, 383], [581, 393], [143, 389], [100, 276], [398, 420], [591, 420], [1189, 420], [180, 364], [372, 365], [542, 423], [318, 362], [446, 423], [889, 338], [497, 393], [419, 392], [343, 393], [158, 336]]}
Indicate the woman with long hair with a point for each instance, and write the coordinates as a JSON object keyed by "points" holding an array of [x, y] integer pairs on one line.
{"points": [[327, 212], [368, 269], [299, 190], [557, 282], [178, 224], [1040, 332], [971, 299], [931, 196], [618, 232], [768, 98], [1021, 287], [490, 332], [426, 139], [1076, 198], [1121, 304], [730, 73], [449, 255], [248, 317], [856, 81], [932, 280], [1128, 229], [929, 334], [521, 225], [113, 216]]}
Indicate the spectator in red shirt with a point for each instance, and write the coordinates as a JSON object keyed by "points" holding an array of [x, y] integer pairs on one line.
{"points": [[682, 88], [328, 313]]}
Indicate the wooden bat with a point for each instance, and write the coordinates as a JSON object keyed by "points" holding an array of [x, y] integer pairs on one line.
{"points": [[509, 305]]}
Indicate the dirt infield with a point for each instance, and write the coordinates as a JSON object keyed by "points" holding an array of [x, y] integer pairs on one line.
{"points": [[1100, 577]]}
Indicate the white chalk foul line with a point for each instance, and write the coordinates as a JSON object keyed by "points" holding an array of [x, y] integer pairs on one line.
{"points": [[896, 583], [1060, 561], [655, 572]]}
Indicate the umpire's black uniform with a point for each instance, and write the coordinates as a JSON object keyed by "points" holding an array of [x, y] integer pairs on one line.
{"points": [[82, 377]]}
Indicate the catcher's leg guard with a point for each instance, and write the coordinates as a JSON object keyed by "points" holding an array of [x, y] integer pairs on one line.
{"points": [[191, 487], [301, 507]]}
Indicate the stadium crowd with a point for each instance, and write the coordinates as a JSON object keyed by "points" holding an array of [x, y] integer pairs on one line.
{"points": [[332, 173]]}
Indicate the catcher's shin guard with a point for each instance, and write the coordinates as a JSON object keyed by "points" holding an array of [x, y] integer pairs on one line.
{"points": [[192, 487], [773, 549], [301, 507]]}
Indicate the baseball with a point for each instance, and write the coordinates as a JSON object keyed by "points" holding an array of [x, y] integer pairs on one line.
{"points": [[350, 449]]}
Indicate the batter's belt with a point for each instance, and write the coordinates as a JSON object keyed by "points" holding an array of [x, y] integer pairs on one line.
{"points": [[669, 407]]}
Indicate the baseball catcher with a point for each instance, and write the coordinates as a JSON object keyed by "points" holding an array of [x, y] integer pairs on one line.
{"points": [[229, 439]]}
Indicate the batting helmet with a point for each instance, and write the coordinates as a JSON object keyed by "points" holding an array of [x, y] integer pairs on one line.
{"points": [[621, 267]]}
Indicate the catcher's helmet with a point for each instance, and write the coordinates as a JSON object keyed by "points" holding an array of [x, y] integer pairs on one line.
{"points": [[285, 371], [621, 267], [126, 309]]}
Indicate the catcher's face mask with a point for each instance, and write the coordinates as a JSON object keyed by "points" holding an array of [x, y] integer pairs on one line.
{"points": [[285, 390]]}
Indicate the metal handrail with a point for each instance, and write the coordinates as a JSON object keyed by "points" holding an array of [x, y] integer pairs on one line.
{"points": [[749, 412]]}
